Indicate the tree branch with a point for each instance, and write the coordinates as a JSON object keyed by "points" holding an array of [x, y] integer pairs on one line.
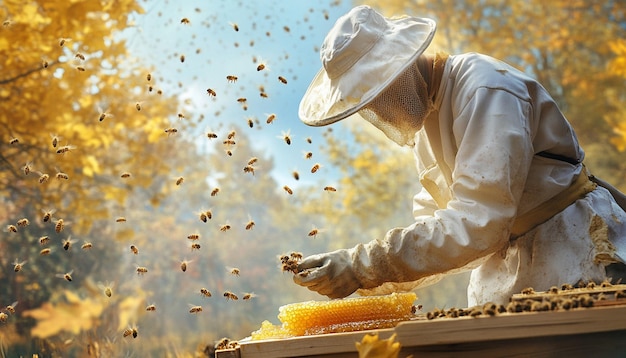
{"points": [[27, 73]]}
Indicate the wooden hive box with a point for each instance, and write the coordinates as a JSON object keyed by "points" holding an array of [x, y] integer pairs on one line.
{"points": [[599, 331]]}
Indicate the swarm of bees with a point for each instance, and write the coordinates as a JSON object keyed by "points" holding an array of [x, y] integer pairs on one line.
{"points": [[67, 152], [289, 263]]}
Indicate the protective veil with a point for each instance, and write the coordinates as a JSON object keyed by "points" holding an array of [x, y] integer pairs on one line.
{"points": [[399, 111]]}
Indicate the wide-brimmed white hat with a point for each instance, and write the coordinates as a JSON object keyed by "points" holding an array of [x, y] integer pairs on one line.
{"points": [[362, 54]]}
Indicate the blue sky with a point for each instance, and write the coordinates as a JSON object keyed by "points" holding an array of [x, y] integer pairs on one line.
{"points": [[225, 38]]}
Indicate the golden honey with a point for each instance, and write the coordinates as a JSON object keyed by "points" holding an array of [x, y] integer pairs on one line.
{"points": [[345, 315]]}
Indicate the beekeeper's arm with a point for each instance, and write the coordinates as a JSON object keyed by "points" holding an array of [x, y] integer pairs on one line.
{"points": [[495, 150]]}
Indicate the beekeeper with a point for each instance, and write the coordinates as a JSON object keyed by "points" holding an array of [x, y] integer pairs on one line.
{"points": [[504, 191]]}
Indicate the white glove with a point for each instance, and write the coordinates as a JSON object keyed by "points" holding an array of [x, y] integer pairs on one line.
{"points": [[330, 274]]}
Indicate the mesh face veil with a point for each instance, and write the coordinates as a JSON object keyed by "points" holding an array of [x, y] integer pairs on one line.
{"points": [[399, 111]]}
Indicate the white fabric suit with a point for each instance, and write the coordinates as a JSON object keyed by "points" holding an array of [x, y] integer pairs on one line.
{"points": [[477, 163]]}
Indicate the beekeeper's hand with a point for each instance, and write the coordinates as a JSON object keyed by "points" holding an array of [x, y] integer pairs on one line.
{"points": [[330, 274]]}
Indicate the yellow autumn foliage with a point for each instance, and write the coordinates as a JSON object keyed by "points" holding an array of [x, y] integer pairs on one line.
{"points": [[373, 347], [64, 76], [73, 315]]}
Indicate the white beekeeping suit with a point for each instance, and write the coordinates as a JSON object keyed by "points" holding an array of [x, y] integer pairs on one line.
{"points": [[504, 194]]}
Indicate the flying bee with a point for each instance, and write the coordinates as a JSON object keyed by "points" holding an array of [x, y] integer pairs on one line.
{"points": [[138, 106], [120, 219], [23, 222], [63, 40], [182, 58], [79, 56], [171, 131], [11, 307], [43, 178], [125, 175], [181, 116], [211, 135], [231, 135], [134, 249], [230, 296], [195, 246], [248, 295], [104, 115], [231, 78], [248, 169], [250, 122], [204, 292], [263, 95], [330, 188], [149, 77], [296, 255], [204, 217], [282, 80], [3, 317], [130, 331], [288, 190], [14, 140], [233, 271], [107, 289], [315, 168], [314, 232], [195, 309], [309, 140], [66, 148], [17, 265], [67, 243], [286, 137], [180, 180], [59, 225], [44, 240], [185, 21], [81, 68], [27, 168], [193, 237], [296, 175], [141, 270], [250, 224], [260, 67], [47, 215], [225, 227], [45, 252], [86, 246], [229, 152], [55, 140], [66, 276], [211, 92], [215, 191], [11, 228], [286, 28], [151, 308], [242, 100], [270, 118], [183, 265], [229, 142], [235, 26], [60, 175], [308, 155]]}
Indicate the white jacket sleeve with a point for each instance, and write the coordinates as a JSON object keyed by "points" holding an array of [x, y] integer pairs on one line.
{"points": [[492, 134], [424, 204]]}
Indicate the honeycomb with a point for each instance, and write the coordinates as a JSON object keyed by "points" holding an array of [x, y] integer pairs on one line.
{"points": [[345, 315]]}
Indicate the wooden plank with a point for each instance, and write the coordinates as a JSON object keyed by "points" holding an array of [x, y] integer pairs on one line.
{"points": [[319, 345], [511, 325], [481, 334]]}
